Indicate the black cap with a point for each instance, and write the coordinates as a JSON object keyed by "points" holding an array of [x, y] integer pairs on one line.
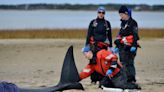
{"points": [[123, 9]]}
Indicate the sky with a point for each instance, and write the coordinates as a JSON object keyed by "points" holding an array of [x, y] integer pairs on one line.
{"points": [[149, 2]]}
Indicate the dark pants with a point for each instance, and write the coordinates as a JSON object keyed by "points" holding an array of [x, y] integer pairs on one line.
{"points": [[127, 59], [118, 81]]}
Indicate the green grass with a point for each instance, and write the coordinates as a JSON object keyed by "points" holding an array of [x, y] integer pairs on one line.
{"points": [[69, 33]]}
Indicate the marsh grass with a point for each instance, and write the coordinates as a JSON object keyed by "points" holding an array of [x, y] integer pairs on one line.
{"points": [[69, 33]]}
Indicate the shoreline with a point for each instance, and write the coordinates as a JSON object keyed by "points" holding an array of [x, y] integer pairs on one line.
{"points": [[69, 33]]}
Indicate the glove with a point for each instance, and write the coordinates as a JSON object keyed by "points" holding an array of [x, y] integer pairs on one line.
{"points": [[109, 72], [85, 49], [114, 50], [133, 49]]}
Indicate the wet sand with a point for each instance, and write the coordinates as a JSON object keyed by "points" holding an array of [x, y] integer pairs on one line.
{"points": [[38, 62]]}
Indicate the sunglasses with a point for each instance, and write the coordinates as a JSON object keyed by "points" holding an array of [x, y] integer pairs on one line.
{"points": [[101, 12]]}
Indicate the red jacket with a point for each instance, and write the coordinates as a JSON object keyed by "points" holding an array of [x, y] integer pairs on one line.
{"points": [[104, 60]]}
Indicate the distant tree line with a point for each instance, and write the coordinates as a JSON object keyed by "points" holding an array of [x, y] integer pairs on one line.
{"points": [[141, 7]]}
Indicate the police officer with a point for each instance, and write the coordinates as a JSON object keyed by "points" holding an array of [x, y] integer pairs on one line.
{"points": [[99, 32], [126, 42]]}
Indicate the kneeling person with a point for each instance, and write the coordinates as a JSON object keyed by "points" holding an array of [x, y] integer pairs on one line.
{"points": [[108, 66], [105, 61]]}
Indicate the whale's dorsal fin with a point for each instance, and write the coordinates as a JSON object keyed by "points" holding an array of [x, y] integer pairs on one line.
{"points": [[69, 76], [69, 71]]}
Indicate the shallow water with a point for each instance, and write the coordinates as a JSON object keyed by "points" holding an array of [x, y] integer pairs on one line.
{"points": [[20, 19]]}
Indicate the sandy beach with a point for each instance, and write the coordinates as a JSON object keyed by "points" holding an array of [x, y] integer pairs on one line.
{"points": [[38, 62]]}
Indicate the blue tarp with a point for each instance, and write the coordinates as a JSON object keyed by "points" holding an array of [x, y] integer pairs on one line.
{"points": [[8, 87]]}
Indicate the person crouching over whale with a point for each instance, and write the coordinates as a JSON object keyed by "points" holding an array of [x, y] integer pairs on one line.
{"points": [[108, 66]]}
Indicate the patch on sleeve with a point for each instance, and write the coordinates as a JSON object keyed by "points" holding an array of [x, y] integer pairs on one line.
{"points": [[109, 56], [114, 66], [86, 70]]}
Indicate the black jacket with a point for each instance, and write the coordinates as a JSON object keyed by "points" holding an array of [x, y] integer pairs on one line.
{"points": [[100, 29], [130, 27]]}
